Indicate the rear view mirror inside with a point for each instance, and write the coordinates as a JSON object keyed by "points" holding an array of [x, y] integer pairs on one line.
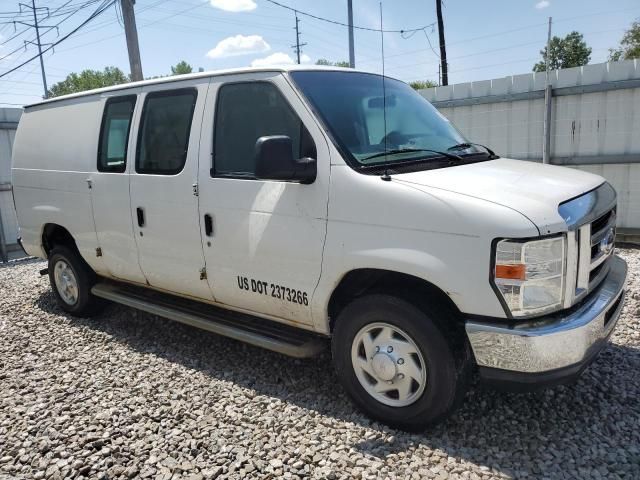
{"points": [[379, 102]]}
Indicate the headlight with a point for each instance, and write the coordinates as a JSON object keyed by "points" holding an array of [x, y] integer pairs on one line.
{"points": [[529, 275]]}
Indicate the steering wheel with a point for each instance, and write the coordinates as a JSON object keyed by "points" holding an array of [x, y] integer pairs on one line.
{"points": [[394, 137]]}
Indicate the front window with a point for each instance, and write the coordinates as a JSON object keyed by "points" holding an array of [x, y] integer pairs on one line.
{"points": [[373, 125], [245, 112]]}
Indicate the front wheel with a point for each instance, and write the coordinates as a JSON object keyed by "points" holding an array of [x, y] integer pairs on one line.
{"points": [[71, 281], [395, 362]]}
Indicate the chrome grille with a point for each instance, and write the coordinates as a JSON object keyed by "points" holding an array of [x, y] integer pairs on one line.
{"points": [[602, 238], [591, 219]]}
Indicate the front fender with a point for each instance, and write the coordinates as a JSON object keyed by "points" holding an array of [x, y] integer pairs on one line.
{"points": [[456, 264]]}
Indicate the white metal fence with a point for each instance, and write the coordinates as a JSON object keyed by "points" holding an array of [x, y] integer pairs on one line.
{"points": [[8, 224], [595, 121]]}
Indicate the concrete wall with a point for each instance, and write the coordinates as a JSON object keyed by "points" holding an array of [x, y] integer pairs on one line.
{"points": [[595, 121], [8, 122]]}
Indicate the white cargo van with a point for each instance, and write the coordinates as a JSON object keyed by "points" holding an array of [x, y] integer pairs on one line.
{"points": [[283, 207]]}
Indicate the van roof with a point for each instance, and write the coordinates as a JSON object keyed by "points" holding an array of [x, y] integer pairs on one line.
{"points": [[176, 78]]}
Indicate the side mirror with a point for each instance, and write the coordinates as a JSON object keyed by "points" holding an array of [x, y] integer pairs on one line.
{"points": [[274, 161]]}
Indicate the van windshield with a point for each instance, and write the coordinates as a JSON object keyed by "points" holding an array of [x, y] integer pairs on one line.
{"points": [[354, 107]]}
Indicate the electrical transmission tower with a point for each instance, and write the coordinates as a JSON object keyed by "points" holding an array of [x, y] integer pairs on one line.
{"points": [[297, 46], [35, 25]]}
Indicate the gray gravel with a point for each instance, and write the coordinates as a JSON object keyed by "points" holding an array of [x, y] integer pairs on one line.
{"points": [[129, 395]]}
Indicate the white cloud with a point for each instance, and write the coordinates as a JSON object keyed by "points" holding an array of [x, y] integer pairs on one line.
{"points": [[234, 5], [239, 45], [540, 5], [278, 58]]}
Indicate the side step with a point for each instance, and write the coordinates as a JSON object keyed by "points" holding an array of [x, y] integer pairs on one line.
{"points": [[275, 336]]}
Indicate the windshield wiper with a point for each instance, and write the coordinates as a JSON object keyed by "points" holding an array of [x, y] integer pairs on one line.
{"points": [[465, 145], [450, 156]]}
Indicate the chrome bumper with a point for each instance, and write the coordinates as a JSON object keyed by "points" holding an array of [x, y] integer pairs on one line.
{"points": [[569, 338]]}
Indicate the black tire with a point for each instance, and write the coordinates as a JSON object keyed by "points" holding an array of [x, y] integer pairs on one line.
{"points": [[446, 375], [86, 304]]}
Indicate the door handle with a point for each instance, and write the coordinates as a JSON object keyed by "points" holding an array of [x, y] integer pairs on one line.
{"points": [[208, 225], [140, 214]]}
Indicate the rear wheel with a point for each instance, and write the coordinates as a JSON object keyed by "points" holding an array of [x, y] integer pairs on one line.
{"points": [[395, 362], [71, 281]]}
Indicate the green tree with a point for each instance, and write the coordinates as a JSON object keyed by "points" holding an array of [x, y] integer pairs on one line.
{"points": [[629, 45], [181, 68], [567, 52], [422, 84], [324, 61], [88, 80]]}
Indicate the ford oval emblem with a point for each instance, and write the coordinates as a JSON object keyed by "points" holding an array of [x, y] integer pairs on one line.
{"points": [[606, 244]]}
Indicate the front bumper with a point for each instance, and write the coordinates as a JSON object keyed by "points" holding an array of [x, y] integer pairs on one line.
{"points": [[553, 349]]}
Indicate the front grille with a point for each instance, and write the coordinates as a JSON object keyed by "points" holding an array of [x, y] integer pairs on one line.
{"points": [[591, 220], [601, 222], [595, 250]]}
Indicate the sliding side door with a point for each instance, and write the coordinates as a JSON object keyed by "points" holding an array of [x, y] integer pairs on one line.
{"points": [[164, 202]]}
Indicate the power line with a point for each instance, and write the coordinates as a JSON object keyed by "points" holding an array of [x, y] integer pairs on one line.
{"points": [[49, 15], [59, 11], [142, 26], [208, 19], [108, 22], [96, 13], [27, 14], [424, 30], [335, 22]]}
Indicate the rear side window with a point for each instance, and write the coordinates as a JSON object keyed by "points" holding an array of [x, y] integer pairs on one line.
{"points": [[114, 134], [163, 136], [245, 112]]}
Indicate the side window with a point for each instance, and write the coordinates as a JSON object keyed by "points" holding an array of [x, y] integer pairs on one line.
{"points": [[114, 134], [246, 112], [163, 136]]}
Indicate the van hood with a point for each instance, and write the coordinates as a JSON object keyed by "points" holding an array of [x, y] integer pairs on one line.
{"points": [[533, 189]]}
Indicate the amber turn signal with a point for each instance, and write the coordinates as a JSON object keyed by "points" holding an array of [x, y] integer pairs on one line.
{"points": [[512, 272]]}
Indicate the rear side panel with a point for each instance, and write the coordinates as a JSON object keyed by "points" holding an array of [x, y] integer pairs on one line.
{"points": [[53, 147]]}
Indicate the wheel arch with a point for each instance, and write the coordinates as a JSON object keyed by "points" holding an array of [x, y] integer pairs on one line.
{"points": [[54, 234], [363, 281]]}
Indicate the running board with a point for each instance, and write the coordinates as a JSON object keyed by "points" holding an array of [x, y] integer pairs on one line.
{"points": [[291, 341]]}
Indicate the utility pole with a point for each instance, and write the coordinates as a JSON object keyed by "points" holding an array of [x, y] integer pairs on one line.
{"points": [[297, 46], [38, 43], [352, 55], [35, 23], [546, 126], [443, 48], [131, 33]]}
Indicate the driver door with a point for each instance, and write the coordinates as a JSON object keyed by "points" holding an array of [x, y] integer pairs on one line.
{"points": [[262, 239]]}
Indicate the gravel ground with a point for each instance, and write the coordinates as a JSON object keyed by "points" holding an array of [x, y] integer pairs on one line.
{"points": [[129, 395]]}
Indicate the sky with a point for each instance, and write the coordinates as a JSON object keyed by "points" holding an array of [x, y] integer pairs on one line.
{"points": [[485, 39]]}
